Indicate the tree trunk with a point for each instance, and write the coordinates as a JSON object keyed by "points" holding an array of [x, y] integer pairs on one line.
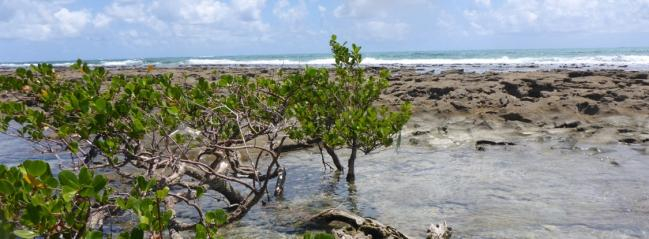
{"points": [[350, 165], [334, 157], [223, 187]]}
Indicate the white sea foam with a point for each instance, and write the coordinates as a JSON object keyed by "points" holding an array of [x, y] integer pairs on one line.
{"points": [[639, 61], [256, 62], [130, 62], [25, 65], [589, 60], [586, 60]]}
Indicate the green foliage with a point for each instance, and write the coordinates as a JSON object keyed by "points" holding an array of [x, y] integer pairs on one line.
{"points": [[147, 124], [310, 235], [341, 110], [145, 201], [209, 228], [123, 119], [34, 203]]}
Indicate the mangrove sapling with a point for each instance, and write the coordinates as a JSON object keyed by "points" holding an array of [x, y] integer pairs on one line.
{"points": [[340, 111], [145, 129]]}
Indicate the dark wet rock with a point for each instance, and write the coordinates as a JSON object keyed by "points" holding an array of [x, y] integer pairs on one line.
{"points": [[492, 143], [418, 133], [536, 89], [628, 141], [438, 93], [571, 124], [594, 96], [512, 89], [624, 131], [587, 108], [416, 92], [515, 117], [620, 98], [615, 163], [643, 76], [574, 74]]}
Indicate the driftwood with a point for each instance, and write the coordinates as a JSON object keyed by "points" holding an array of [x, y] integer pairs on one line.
{"points": [[357, 227]]}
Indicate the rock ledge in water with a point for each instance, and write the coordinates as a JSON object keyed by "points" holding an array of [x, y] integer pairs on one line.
{"points": [[347, 225]]}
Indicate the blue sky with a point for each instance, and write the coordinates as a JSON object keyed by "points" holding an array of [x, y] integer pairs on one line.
{"points": [[34, 30]]}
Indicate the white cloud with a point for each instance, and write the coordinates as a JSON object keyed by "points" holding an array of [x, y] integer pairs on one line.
{"points": [[293, 14], [39, 20], [71, 22], [382, 30], [383, 19], [101, 20], [560, 16], [192, 20]]}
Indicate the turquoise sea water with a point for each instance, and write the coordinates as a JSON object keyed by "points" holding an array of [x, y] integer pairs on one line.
{"points": [[626, 58]]}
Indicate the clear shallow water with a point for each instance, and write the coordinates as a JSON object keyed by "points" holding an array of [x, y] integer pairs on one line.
{"points": [[473, 60], [525, 191], [531, 190]]}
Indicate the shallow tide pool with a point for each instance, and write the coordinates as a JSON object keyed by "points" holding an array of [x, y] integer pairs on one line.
{"points": [[530, 190]]}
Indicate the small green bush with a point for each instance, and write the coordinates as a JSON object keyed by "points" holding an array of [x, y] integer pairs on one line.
{"points": [[340, 111]]}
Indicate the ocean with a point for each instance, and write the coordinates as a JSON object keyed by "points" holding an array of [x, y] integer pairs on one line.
{"points": [[471, 60]]}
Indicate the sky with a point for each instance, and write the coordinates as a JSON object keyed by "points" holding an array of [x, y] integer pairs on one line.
{"points": [[47, 30]]}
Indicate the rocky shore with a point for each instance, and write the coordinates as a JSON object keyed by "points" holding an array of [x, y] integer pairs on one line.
{"points": [[493, 108]]}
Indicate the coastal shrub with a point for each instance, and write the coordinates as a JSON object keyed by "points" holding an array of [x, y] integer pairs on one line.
{"points": [[340, 111], [165, 144], [149, 130], [34, 202]]}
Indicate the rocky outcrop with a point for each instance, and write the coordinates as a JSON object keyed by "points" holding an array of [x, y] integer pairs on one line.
{"points": [[347, 225]]}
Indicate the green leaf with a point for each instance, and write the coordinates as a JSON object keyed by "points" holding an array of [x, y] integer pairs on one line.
{"points": [[201, 232], [36, 168], [144, 220], [162, 193], [99, 183], [94, 235], [100, 105], [85, 176], [173, 111], [67, 178], [137, 233], [25, 234], [73, 146], [6, 187], [310, 235], [200, 191], [68, 193], [217, 217]]}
